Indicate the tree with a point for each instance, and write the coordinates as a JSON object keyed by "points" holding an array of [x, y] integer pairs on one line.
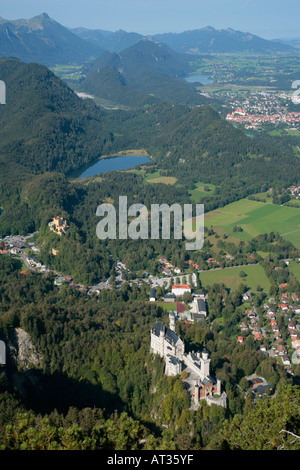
{"points": [[271, 424]]}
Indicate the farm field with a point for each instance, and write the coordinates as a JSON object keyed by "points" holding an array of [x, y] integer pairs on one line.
{"points": [[232, 279], [256, 217], [156, 178], [294, 267]]}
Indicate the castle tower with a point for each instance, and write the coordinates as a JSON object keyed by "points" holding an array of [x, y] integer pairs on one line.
{"points": [[172, 319], [205, 361]]}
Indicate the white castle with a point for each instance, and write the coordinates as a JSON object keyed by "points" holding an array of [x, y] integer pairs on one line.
{"points": [[166, 343]]}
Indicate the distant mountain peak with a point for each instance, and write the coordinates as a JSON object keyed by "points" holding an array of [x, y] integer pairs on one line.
{"points": [[42, 39], [208, 28], [42, 17]]}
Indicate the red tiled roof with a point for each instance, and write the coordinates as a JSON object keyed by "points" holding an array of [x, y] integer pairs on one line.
{"points": [[180, 286]]}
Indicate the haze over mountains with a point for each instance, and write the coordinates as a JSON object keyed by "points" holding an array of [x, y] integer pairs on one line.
{"points": [[44, 40], [204, 40]]}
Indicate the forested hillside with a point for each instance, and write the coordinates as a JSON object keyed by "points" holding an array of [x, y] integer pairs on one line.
{"points": [[84, 392], [147, 67]]}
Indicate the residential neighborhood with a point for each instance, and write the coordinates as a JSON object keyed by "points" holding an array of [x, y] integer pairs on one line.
{"points": [[281, 342]]}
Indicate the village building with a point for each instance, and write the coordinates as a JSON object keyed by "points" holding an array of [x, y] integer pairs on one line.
{"points": [[180, 289], [152, 294], [198, 309], [169, 297]]}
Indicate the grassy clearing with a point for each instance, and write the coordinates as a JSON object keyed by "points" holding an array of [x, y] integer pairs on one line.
{"points": [[232, 279], [168, 306], [294, 267], [162, 179], [201, 190], [257, 217]]}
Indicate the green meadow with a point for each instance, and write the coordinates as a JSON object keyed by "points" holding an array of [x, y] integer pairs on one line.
{"points": [[294, 267], [232, 279], [201, 190], [256, 217]]}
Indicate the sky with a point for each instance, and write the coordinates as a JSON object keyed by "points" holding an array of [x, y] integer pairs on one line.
{"points": [[266, 18]]}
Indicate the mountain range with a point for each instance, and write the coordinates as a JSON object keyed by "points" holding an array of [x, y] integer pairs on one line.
{"points": [[42, 39], [199, 41]]}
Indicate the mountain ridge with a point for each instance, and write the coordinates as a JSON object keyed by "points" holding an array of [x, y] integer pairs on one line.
{"points": [[189, 41], [151, 71], [42, 39]]}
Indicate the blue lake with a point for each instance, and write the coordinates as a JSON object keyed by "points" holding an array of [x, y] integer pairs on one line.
{"points": [[113, 164], [197, 77]]}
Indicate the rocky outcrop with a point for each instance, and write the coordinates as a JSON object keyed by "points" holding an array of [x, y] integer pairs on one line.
{"points": [[27, 355]]}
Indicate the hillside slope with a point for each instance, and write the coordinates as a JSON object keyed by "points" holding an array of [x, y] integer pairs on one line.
{"points": [[148, 68], [45, 125]]}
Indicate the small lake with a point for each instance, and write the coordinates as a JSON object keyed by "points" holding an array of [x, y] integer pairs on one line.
{"points": [[113, 164], [197, 77]]}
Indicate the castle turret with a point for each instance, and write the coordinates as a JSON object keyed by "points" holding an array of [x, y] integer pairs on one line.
{"points": [[162, 332], [172, 319], [205, 361]]}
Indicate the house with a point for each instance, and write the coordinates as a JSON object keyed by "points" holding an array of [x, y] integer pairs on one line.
{"points": [[295, 342], [293, 333], [34, 262], [180, 289], [200, 306], [240, 340], [283, 306], [285, 360], [244, 326], [258, 336], [152, 294], [281, 349], [169, 298], [270, 313], [166, 271]]}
